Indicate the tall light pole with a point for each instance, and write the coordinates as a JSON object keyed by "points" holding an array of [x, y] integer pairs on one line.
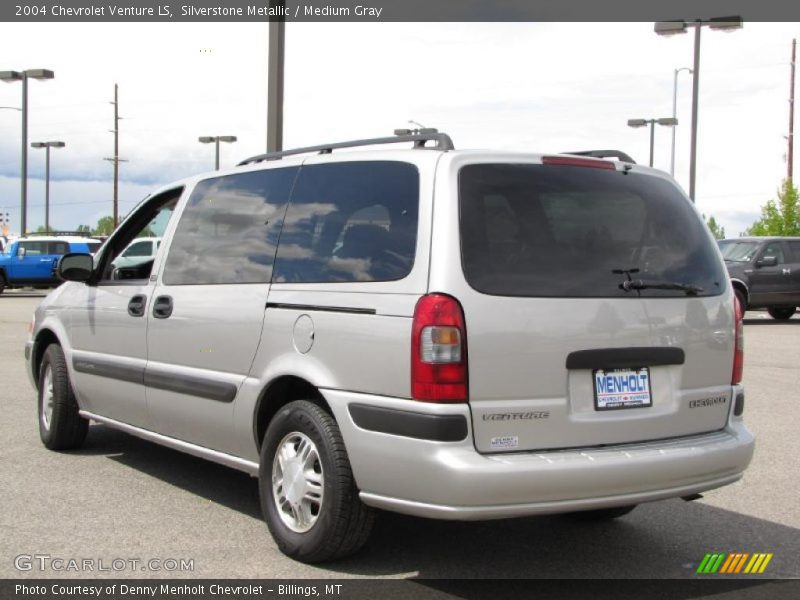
{"points": [[675, 116], [675, 27], [666, 122], [276, 50], [216, 139], [47, 146], [23, 76]]}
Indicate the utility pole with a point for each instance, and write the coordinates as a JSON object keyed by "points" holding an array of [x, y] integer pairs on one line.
{"points": [[116, 159], [790, 137]]}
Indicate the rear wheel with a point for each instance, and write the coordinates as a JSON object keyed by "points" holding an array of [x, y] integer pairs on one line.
{"points": [[742, 299], [601, 514], [782, 313], [308, 495], [60, 425]]}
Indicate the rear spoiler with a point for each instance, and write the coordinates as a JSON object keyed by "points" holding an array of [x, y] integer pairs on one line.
{"points": [[616, 154]]}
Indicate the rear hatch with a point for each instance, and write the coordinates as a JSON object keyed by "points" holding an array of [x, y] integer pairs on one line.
{"points": [[598, 309]]}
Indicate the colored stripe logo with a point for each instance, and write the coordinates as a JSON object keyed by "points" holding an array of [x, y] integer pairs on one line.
{"points": [[734, 563]]}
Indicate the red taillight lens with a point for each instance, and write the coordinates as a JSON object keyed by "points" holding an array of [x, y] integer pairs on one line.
{"points": [[438, 350], [738, 343], [571, 161]]}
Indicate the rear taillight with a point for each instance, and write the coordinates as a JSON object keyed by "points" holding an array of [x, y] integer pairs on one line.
{"points": [[738, 342], [438, 350]]}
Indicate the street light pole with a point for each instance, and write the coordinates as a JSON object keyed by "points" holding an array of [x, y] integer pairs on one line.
{"points": [[47, 146], [23, 76], [675, 115], [674, 27], [216, 139], [664, 121], [695, 101]]}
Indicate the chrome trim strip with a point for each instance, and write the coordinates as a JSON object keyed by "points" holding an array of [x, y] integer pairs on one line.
{"points": [[228, 460], [505, 511]]}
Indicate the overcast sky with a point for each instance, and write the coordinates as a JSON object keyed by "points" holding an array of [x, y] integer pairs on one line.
{"points": [[533, 87]]}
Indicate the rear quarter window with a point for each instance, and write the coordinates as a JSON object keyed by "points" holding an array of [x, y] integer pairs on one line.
{"points": [[563, 231], [348, 222]]}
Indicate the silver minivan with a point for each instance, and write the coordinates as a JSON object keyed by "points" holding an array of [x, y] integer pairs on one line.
{"points": [[442, 333]]}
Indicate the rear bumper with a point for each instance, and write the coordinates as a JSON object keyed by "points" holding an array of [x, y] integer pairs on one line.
{"points": [[451, 480]]}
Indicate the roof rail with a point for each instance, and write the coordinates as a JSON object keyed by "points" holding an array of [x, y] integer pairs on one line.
{"points": [[618, 154], [443, 142]]}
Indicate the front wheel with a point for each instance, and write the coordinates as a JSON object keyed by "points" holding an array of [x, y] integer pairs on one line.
{"points": [[60, 425], [308, 494], [781, 313]]}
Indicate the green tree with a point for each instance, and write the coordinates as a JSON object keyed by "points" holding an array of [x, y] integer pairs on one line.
{"points": [[104, 226], [779, 217], [43, 229], [84, 228], [716, 229]]}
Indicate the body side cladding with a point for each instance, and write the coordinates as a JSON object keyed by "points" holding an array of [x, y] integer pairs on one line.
{"points": [[421, 426], [191, 385]]}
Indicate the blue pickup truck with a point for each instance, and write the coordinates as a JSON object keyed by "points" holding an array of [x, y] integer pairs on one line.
{"points": [[31, 261]]}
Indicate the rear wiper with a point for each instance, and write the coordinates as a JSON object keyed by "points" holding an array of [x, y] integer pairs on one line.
{"points": [[641, 284]]}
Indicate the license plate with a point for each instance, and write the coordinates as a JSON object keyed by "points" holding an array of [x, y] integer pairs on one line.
{"points": [[622, 388]]}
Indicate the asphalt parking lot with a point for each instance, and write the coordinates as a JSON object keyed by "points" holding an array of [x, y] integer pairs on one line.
{"points": [[120, 497]]}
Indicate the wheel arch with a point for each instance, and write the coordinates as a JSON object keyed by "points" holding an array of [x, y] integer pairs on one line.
{"points": [[740, 285], [43, 339], [277, 394]]}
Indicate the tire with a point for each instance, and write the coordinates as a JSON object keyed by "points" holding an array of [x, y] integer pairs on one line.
{"points": [[781, 313], [2, 283], [742, 299], [601, 514], [60, 425], [320, 516]]}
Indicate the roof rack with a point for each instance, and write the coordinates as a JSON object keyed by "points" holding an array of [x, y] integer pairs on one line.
{"points": [[419, 137], [617, 154], [60, 233]]}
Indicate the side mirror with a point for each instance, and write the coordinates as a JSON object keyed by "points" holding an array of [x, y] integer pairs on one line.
{"points": [[767, 261], [75, 267], [20, 252]]}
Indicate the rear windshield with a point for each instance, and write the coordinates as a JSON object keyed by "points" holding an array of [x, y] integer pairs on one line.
{"points": [[563, 231]]}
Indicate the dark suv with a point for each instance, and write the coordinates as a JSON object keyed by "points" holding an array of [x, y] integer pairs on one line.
{"points": [[765, 272]]}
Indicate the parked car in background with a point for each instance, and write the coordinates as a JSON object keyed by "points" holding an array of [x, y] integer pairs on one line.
{"points": [[140, 250], [765, 272], [31, 261], [449, 334]]}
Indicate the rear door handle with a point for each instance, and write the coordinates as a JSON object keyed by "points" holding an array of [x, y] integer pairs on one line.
{"points": [[136, 305], [162, 307]]}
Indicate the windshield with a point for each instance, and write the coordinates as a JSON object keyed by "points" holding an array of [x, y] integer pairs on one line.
{"points": [[564, 231], [738, 251]]}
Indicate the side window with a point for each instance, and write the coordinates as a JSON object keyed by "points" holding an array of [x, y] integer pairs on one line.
{"points": [[57, 248], [152, 220], [354, 221], [34, 248], [139, 249], [794, 247], [774, 249], [229, 229]]}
